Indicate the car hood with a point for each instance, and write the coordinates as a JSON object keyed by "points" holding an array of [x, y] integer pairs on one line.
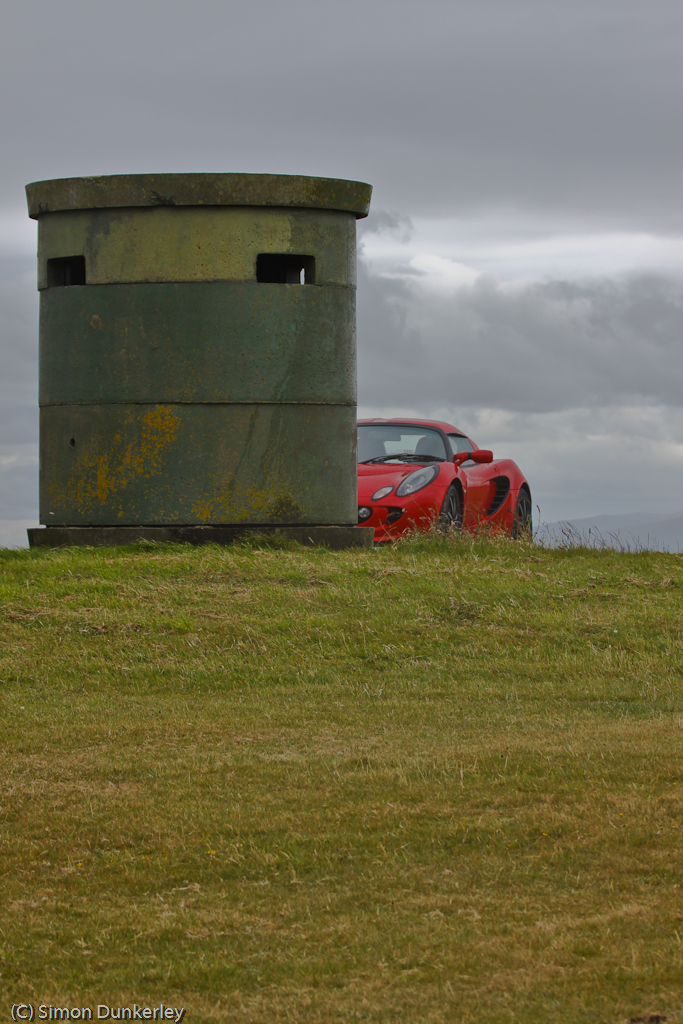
{"points": [[371, 478]]}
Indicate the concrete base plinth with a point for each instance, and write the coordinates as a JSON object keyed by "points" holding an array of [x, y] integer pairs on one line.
{"points": [[334, 537]]}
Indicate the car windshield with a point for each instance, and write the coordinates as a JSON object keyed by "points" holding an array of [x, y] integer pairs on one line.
{"points": [[392, 443]]}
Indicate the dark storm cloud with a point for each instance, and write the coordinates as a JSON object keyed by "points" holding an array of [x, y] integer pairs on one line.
{"points": [[540, 347], [564, 108]]}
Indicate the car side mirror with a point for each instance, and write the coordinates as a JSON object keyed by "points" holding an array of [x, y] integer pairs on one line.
{"points": [[482, 455]]}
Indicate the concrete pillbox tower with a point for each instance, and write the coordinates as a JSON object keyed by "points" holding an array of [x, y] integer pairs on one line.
{"points": [[197, 351]]}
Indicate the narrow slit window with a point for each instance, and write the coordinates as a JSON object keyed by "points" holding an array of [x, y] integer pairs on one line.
{"points": [[283, 268], [65, 270]]}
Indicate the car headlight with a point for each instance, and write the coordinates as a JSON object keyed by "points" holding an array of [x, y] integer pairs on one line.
{"points": [[364, 513], [417, 480], [381, 493]]}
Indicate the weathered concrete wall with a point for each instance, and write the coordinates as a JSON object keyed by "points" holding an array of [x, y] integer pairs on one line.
{"points": [[175, 388], [196, 243]]}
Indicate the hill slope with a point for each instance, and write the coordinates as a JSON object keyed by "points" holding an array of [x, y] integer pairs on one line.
{"points": [[433, 783]]}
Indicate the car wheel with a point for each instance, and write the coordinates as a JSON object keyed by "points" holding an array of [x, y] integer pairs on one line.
{"points": [[450, 517], [522, 527]]}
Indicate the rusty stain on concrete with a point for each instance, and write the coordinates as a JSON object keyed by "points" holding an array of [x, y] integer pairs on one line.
{"points": [[110, 465]]}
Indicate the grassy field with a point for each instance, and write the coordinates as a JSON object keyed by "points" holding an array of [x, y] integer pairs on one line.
{"points": [[440, 782]]}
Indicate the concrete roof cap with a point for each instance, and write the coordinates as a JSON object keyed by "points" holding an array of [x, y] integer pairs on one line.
{"points": [[126, 190]]}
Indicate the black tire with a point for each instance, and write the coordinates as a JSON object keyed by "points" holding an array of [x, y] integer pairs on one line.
{"points": [[523, 527], [450, 516]]}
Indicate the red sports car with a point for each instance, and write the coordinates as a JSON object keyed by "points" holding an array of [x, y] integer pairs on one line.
{"points": [[415, 473]]}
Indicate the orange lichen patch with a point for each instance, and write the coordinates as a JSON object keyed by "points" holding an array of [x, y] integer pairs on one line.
{"points": [[202, 511], [159, 429], [137, 451], [274, 504]]}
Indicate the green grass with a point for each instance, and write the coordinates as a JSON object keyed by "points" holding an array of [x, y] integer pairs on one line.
{"points": [[438, 782]]}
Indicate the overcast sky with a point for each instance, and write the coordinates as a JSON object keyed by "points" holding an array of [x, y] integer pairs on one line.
{"points": [[521, 271]]}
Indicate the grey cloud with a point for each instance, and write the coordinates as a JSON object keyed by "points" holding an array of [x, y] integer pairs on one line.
{"points": [[18, 352], [580, 382], [18, 396], [381, 221], [587, 461], [569, 108], [535, 348], [18, 482]]}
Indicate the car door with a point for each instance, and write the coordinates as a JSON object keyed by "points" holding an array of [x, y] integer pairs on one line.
{"points": [[477, 479]]}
